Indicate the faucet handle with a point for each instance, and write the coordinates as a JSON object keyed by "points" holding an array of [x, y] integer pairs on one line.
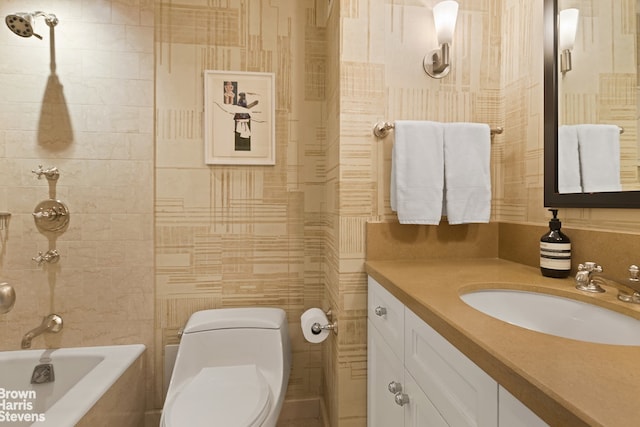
{"points": [[590, 266], [634, 273], [584, 277], [51, 256], [52, 174]]}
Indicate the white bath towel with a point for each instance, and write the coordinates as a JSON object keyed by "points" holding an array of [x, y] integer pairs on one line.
{"points": [[467, 156], [599, 157], [417, 172], [568, 160]]}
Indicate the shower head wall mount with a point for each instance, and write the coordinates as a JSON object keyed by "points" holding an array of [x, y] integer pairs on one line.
{"points": [[22, 23]]}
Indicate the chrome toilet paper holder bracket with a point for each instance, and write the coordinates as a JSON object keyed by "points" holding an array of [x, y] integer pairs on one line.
{"points": [[317, 328]]}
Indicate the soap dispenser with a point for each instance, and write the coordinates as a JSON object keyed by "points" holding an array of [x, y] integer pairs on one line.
{"points": [[555, 250]]}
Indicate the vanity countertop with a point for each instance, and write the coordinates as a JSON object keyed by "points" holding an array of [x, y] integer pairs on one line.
{"points": [[566, 382]]}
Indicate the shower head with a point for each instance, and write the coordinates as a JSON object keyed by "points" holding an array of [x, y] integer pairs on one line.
{"points": [[22, 23]]}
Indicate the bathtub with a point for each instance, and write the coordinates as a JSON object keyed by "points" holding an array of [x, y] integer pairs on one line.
{"points": [[85, 378]]}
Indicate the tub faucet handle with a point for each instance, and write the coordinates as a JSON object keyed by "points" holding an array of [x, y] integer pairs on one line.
{"points": [[634, 273], [51, 256], [52, 174]]}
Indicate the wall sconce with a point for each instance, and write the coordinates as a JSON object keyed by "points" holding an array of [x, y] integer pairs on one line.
{"points": [[568, 26], [437, 63]]}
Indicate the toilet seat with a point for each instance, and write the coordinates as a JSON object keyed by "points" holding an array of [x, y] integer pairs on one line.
{"points": [[230, 396]]}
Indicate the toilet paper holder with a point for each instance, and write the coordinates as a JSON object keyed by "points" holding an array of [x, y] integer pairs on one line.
{"points": [[317, 328]]}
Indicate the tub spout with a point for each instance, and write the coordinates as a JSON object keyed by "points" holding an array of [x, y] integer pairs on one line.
{"points": [[51, 323]]}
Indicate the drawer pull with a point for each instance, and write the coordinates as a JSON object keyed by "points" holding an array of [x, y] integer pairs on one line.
{"points": [[380, 311], [395, 387], [401, 399]]}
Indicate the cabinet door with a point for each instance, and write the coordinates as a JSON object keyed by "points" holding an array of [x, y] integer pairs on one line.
{"points": [[464, 394], [387, 314], [513, 413], [383, 367], [419, 412]]}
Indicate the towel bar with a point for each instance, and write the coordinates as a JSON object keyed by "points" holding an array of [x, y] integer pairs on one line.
{"points": [[381, 129]]}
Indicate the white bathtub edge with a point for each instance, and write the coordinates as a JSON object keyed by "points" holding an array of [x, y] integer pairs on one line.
{"points": [[70, 409]]}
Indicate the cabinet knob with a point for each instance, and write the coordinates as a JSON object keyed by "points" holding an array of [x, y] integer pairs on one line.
{"points": [[380, 311], [394, 387], [401, 399]]}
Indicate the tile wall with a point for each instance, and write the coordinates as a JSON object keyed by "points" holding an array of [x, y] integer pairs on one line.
{"points": [[80, 99]]}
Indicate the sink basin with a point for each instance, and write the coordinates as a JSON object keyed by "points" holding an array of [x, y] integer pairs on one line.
{"points": [[556, 315]]}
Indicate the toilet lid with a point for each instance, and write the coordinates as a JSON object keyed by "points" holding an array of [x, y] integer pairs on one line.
{"points": [[230, 396]]}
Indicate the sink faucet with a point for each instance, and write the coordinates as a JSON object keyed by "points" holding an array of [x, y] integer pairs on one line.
{"points": [[589, 278], [51, 323]]}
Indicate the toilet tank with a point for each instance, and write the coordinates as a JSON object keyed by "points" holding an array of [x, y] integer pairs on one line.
{"points": [[235, 336], [235, 318]]}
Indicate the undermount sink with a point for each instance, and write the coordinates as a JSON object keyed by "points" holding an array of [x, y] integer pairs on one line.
{"points": [[555, 315]]}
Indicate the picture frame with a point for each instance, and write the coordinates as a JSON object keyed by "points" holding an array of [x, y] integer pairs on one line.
{"points": [[239, 118]]}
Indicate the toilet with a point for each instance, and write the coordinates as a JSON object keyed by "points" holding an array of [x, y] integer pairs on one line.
{"points": [[232, 369]]}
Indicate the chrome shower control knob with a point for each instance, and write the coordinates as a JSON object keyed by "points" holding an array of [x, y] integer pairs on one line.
{"points": [[51, 215], [634, 272], [401, 399], [394, 387], [380, 311]]}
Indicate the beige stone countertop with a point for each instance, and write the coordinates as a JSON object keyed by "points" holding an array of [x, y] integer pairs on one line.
{"points": [[566, 382]]}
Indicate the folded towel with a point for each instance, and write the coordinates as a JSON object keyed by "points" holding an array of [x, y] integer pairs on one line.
{"points": [[568, 160], [467, 155], [599, 157], [417, 172]]}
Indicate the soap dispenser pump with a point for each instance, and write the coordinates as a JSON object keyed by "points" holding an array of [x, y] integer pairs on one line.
{"points": [[555, 250]]}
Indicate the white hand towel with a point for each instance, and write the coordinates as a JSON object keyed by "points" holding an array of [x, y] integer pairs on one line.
{"points": [[417, 172], [568, 160], [599, 157], [467, 157]]}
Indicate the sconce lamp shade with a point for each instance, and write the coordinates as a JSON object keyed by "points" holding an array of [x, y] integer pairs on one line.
{"points": [[445, 14], [568, 27]]}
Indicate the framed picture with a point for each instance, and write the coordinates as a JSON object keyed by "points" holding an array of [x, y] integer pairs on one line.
{"points": [[239, 118]]}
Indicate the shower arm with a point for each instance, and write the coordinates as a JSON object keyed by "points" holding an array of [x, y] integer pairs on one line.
{"points": [[49, 18]]}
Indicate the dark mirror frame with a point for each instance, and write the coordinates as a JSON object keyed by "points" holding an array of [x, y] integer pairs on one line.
{"points": [[617, 199]]}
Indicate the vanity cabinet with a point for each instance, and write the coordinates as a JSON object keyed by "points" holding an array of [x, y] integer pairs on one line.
{"points": [[393, 396], [417, 378]]}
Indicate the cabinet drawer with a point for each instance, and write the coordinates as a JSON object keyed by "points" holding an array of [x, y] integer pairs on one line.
{"points": [[386, 313], [463, 393]]}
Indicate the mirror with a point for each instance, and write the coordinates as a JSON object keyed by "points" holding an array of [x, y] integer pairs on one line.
{"points": [[565, 105]]}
